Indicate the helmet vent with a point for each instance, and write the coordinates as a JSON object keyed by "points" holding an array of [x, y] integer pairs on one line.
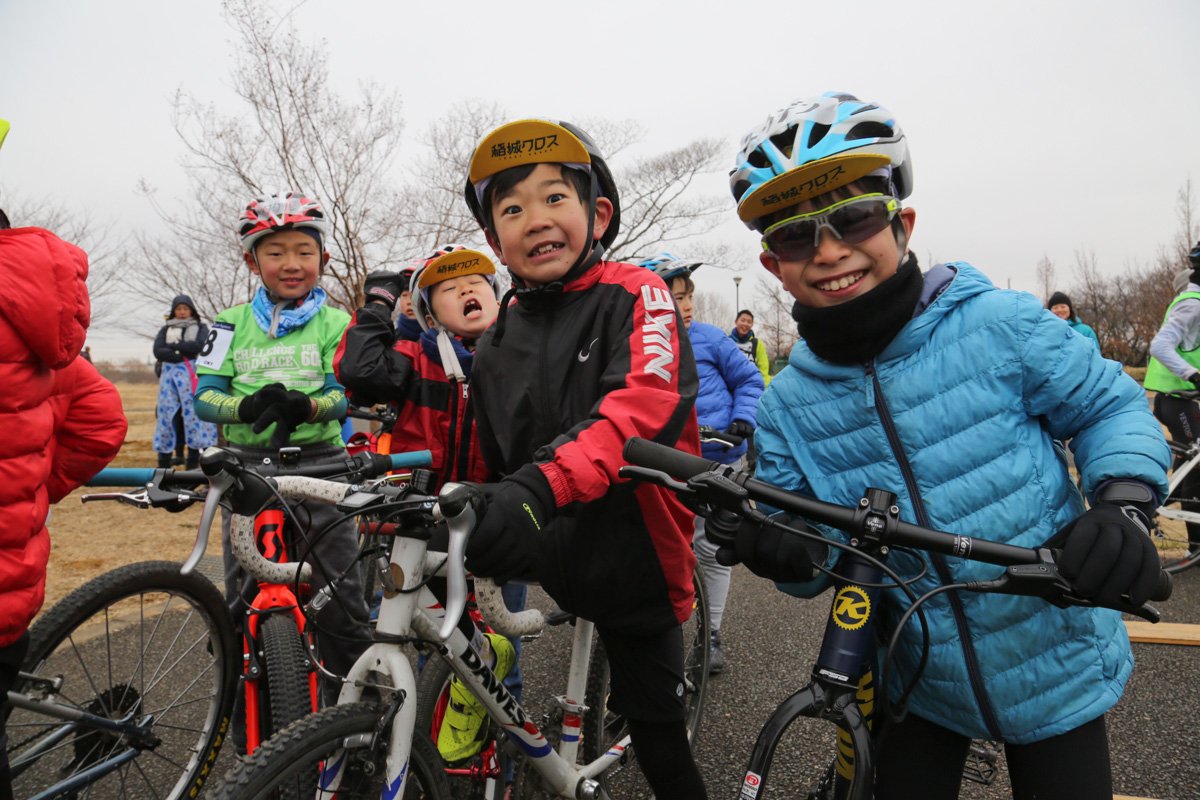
{"points": [[870, 130], [817, 134]]}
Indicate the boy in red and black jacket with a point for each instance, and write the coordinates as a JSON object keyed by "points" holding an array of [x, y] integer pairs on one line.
{"points": [[589, 354]]}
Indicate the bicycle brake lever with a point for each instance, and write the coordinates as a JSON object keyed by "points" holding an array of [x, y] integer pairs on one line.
{"points": [[656, 477], [1044, 581], [139, 499]]}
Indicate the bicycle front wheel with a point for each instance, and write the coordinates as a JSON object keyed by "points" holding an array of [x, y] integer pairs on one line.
{"points": [[1171, 537], [603, 727], [293, 758], [142, 644]]}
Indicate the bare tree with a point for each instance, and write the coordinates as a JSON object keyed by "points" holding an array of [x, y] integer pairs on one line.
{"points": [[1045, 277], [773, 323], [104, 249], [295, 132], [715, 308]]}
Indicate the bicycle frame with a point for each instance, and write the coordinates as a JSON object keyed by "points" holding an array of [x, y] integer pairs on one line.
{"points": [[136, 733], [272, 598], [419, 613], [1177, 477]]}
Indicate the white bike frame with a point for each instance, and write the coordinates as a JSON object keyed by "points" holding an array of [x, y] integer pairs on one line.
{"points": [[415, 612], [1177, 477]]}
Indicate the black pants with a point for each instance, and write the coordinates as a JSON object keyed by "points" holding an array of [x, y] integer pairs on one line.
{"points": [[918, 760], [1182, 418], [11, 658]]}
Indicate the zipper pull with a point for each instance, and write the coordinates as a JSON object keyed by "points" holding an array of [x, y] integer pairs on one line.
{"points": [[869, 383]]}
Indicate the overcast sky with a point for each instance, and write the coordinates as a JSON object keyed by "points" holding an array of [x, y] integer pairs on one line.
{"points": [[1036, 128]]}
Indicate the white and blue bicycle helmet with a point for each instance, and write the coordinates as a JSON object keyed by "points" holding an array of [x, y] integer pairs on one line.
{"points": [[813, 146], [668, 267]]}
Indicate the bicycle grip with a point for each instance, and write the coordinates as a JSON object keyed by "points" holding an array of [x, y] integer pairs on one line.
{"points": [[1164, 587], [676, 463], [121, 476]]}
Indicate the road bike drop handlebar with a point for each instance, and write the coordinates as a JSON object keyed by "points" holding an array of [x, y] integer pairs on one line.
{"points": [[460, 505], [223, 471], [1029, 571]]}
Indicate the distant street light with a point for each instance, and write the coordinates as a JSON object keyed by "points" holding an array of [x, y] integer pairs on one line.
{"points": [[737, 280]]}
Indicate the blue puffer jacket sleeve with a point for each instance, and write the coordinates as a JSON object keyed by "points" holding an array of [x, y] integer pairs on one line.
{"points": [[730, 387]]}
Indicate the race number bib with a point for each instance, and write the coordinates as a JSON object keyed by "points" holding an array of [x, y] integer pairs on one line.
{"points": [[216, 346]]}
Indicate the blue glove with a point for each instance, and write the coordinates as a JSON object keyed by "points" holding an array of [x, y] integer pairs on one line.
{"points": [[430, 346], [507, 542]]}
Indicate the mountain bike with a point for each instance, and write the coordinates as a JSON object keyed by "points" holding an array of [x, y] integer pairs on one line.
{"points": [[842, 687], [1179, 554], [129, 681], [358, 749]]}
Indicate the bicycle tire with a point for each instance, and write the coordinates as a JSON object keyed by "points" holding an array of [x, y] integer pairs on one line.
{"points": [[303, 745], [1175, 553], [602, 727], [433, 692], [141, 640], [288, 696]]}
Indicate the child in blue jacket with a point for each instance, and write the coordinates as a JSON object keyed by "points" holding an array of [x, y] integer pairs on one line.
{"points": [[730, 385], [949, 392]]}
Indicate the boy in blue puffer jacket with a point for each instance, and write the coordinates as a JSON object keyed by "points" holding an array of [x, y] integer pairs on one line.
{"points": [[949, 392], [730, 386]]}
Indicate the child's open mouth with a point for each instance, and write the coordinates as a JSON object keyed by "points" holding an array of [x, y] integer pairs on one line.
{"points": [[543, 249], [844, 282], [472, 308]]}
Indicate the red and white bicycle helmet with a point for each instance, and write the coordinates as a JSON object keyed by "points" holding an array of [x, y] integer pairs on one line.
{"points": [[285, 211]]}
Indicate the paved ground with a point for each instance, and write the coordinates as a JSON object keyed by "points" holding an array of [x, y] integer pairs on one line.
{"points": [[771, 640]]}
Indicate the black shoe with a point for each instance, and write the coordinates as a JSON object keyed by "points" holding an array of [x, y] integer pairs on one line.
{"points": [[717, 665], [164, 460], [177, 461]]}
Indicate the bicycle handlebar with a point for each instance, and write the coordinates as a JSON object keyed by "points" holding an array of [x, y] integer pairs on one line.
{"points": [[685, 467]]}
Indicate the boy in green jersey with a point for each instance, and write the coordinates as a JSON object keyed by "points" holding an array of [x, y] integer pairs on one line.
{"points": [[266, 373]]}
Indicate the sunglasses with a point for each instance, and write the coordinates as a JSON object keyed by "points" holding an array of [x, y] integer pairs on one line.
{"points": [[853, 221]]}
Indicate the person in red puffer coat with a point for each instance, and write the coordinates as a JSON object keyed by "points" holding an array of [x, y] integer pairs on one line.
{"points": [[62, 423]]}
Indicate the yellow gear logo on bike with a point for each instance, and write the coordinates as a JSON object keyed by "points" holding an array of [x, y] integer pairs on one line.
{"points": [[851, 608]]}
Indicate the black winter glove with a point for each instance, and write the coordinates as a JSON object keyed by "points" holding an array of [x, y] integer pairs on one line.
{"points": [[505, 544], [1107, 552], [384, 286], [1195, 379], [773, 553], [740, 427], [286, 409]]}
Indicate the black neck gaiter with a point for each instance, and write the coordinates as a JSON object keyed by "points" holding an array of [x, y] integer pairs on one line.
{"points": [[856, 331]]}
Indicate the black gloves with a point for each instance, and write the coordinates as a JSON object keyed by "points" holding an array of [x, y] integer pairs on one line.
{"points": [[1107, 551], [739, 427], [287, 409], [1195, 379], [384, 286], [772, 553], [506, 543]]}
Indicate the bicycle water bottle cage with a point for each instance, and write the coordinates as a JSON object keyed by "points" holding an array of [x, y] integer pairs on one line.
{"points": [[876, 518]]}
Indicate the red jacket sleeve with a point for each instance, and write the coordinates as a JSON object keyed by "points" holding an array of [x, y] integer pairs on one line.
{"points": [[650, 388], [92, 431]]}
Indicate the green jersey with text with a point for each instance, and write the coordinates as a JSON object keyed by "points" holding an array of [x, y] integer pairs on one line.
{"points": [[239, 349]]}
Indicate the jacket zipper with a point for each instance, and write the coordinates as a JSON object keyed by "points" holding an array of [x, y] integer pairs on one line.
{"points": [[877, 400], [464, 436], [452, 446]]}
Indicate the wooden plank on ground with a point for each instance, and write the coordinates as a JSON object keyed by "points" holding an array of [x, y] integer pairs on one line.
{"points": [[1128, 797], [1163, 632]]}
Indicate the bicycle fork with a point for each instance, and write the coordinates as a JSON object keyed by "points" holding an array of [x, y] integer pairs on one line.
{"points": [[841, 690]]}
